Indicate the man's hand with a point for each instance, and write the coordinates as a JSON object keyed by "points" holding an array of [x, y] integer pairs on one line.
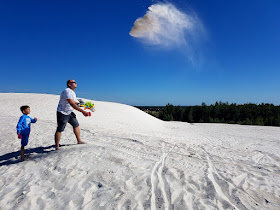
{"points": [[35, 118], [75, 106], [86, 114], [19, 136]]}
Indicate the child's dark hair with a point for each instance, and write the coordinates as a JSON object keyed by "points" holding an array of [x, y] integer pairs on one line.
{"points": [[22, 108]]}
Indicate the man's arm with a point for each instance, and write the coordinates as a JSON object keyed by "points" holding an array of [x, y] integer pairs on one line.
{"points": [[75, 106]]}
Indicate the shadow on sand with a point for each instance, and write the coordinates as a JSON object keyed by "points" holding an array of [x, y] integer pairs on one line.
{"points": [[14, 157]]}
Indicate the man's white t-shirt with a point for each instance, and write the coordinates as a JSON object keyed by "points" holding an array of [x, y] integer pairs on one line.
{"points": [[63, 106]]}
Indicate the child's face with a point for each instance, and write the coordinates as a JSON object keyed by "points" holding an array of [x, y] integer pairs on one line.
{"points": [[26, 111]]}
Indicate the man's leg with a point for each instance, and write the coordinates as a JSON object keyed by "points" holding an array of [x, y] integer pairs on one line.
{"points": [[61, 123], [57, 137], [78, 135]]}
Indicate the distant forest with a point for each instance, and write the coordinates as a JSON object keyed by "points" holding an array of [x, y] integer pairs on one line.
{"points": [[245, 114]]}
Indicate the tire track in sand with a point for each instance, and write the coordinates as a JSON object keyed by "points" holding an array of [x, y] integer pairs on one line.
{"points": [[161, 197], [212, 174]]}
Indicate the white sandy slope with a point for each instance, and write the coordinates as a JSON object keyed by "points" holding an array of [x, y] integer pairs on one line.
{"points": [[134, 161]]}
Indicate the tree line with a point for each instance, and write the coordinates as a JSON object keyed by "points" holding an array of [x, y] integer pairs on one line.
{"points": [[220, 112]]}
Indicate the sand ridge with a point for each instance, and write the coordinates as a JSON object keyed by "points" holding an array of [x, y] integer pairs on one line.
{"points": [[135, 161]]}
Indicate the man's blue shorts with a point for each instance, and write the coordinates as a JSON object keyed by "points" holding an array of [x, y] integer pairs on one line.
{"points": [[24, 140]]}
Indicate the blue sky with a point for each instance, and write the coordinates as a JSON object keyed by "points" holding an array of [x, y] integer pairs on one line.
{"points": [[235, 55]]}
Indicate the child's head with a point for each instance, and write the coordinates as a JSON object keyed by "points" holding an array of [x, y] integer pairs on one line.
{"points": [[25, 109]]}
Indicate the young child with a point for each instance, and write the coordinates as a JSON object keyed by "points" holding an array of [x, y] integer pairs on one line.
{"points": [[23, 128]]}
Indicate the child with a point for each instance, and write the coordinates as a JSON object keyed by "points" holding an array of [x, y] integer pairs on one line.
{"points": [[23, 128]]}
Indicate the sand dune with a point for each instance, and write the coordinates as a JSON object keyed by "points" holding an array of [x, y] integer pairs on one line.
{"points": [[135, 161]]}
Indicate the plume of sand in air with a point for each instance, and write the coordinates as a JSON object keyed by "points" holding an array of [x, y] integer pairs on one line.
{"points": [[165, 26]]}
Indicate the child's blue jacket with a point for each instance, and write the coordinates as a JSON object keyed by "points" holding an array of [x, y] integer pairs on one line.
{"points": [[23, 126]]}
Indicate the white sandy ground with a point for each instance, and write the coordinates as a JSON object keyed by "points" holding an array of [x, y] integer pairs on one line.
{"points": [[134, 161]]}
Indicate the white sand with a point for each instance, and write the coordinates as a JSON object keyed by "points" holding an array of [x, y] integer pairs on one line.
{"points": [[134, 161]]}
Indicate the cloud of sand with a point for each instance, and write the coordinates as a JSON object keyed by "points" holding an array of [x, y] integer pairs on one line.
{"points": [[165, 26]]}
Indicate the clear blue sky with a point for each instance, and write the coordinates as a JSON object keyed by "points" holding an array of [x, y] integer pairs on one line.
{"points": [[45, 43]]}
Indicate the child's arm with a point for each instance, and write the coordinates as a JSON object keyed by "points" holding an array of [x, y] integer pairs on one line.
{"points": [[19, 125], [34, 120]]}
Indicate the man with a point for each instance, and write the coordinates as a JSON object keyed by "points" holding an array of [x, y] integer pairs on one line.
{"points": [[67, 103]]}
